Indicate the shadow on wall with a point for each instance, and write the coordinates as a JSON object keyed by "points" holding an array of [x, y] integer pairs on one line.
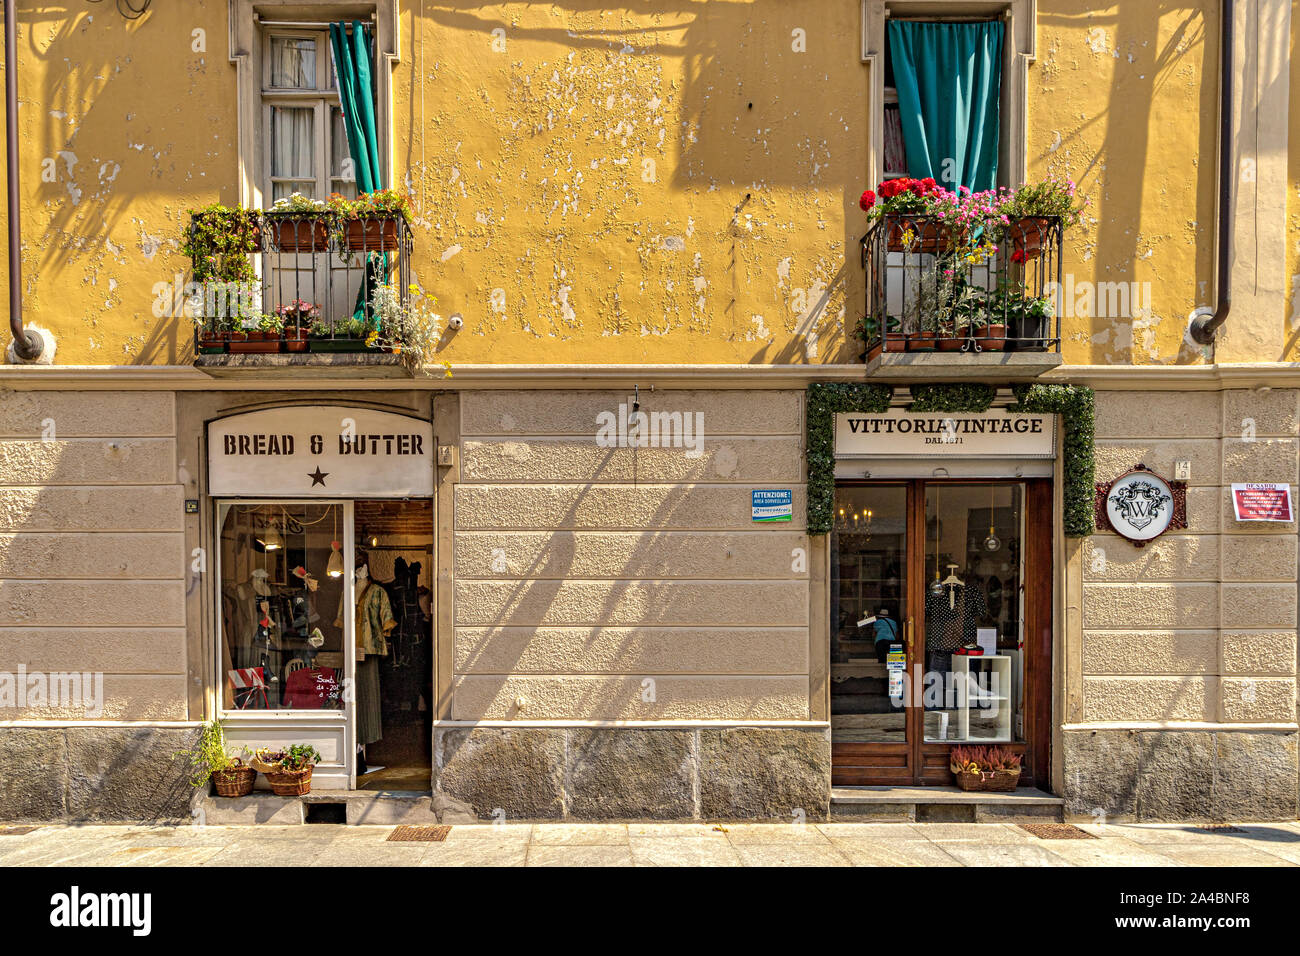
{"points": [[110, 200], [709, 100]]}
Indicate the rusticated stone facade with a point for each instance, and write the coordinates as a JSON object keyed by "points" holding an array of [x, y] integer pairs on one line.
{"points": [[1196, 630], [577, 773]]}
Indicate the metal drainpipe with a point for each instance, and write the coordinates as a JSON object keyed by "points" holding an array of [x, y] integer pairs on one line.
{"points": [[27, 342], [1203, 328]]}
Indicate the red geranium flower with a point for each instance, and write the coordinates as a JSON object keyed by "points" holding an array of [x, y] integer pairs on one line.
{"points": [[867, 201], [1018, 255], [893, 187]]}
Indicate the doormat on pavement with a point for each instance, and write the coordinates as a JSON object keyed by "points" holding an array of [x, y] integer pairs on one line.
{"points": [[419, 834], [1056, 831], [16, 831]]}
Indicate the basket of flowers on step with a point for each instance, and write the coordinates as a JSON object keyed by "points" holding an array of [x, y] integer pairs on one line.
{"points": [[235, 780], [288, 771], [985, 768]]}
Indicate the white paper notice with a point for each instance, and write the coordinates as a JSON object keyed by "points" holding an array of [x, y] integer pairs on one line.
{"points": [[987, 639]]}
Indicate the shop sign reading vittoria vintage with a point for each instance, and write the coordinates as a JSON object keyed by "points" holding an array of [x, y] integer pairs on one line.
{"points": [[320, 451], [902, 434]]}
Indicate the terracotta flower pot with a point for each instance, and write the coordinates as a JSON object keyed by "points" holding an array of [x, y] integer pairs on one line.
{"points": [[920, 341], [371, 235], [295, 234], [951, 343], [210, 343], [295, 340], [1029, 235], [994, 338], [255, 342], [927, 235]]}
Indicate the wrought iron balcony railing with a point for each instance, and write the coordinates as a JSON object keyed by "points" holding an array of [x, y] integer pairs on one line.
{"points": [[989, 288], [305, 282]]}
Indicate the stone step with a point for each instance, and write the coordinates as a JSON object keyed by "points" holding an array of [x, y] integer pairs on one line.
{"points": [[943, 805]]}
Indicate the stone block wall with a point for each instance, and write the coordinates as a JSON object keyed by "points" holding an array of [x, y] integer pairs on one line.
{"points": [[599, 584], [92, 551], [579, 773], [583, 572], [1196, 628]]}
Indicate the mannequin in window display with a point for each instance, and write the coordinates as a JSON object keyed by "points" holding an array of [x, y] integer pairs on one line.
{"points": [[374, 622], [953, 612]]}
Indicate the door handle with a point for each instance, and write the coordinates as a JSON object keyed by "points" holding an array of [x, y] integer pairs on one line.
{"points": [[909, 633]]}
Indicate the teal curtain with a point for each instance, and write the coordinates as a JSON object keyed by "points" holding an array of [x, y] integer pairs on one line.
{"points": [[352, 58], [949, 80]]}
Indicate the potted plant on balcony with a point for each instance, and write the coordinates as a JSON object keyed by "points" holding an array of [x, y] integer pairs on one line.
{"points": [[345, 335], [906, 205], [984, 768], [368, 223], [212, 334], [257, 336], [1028, 318], [288, 771], [1032, 212], [296, 318], [299, 224], [209, 760], [405, 326], [220, 242]]}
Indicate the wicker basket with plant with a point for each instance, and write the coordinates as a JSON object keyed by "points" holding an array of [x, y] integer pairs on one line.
{"points": [[209, 760], [289, 772], [985, 768]]}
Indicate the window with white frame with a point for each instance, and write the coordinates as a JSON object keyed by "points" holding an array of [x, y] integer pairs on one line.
{"points": [[306, 140]]}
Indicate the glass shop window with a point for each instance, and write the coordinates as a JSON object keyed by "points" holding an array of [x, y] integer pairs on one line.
{"points": [[282, 611]]}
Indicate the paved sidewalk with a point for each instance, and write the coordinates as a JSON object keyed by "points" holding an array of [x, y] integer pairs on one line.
{"points": [[657, 844]]}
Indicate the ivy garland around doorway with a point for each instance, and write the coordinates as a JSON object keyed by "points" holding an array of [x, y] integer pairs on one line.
{"points": [[825, 401], [1074, 403]]}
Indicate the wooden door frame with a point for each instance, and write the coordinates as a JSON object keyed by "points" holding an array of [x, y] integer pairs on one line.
{"points": [[917, 763]]}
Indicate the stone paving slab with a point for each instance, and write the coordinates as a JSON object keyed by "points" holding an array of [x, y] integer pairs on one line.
{"points": [[655, 844]]}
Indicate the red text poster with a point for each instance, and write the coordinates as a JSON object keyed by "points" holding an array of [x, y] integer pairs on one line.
{"points": [[1256, 501]]}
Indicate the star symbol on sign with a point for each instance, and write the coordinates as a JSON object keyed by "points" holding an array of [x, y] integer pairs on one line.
{"points": [[318, 477]]}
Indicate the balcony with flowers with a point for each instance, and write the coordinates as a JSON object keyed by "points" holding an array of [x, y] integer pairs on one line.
{"points": [[307, 284], [964, 283]]}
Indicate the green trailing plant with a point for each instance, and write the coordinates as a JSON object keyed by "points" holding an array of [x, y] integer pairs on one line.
{"points": [[208, 756], [220, 243], [1076, 404], [972, 397], [825, 401]]}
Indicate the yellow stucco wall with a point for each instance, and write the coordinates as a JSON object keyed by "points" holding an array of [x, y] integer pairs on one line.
{"points": [[607, 173], [1292, 331]]}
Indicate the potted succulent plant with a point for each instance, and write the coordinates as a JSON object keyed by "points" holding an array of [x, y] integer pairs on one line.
{"points": [[288, 771], [209, 760], [985, 768]]}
